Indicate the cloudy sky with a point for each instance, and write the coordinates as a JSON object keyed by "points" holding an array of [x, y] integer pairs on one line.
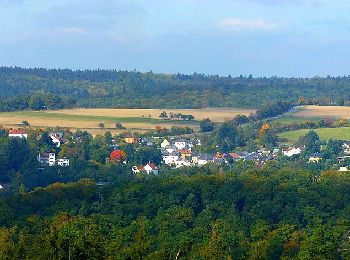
{"points": [[259, 37]]}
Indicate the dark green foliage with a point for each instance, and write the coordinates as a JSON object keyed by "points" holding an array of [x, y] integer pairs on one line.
{"points": [[311, 142], [40, 89], [207, 125]]}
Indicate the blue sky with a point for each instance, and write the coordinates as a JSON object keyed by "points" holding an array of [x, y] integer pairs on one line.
{"points": [[259, 37]]}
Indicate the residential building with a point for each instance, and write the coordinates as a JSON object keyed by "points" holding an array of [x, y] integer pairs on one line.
{"points": [[315, 158], [149, 168], [47, 159], [63, 162], [204, 159], [130, 140], [18, 133], [165, 144], [291, 151], [57, 139], [170, 158], [185, 153], [181, 144]]}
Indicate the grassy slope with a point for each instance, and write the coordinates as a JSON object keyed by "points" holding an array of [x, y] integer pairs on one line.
{"points": [[342, 133]]}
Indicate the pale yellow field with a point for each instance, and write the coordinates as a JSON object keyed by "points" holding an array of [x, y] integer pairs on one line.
{"points": [[215, 114], [133, 119], [324, 112]]}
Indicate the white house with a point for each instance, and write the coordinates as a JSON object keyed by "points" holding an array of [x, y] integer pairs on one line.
{"points": [[18, 133], [346, 147], [150, 168], [343, 169], [56, 139], [63, 162], [170, 158], [165, 143], [1, 187], [291, 151], [182, 163], [181, 144], [47, 158]]}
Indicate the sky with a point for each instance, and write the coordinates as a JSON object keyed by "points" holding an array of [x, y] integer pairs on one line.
{"points": [[290, 38]]}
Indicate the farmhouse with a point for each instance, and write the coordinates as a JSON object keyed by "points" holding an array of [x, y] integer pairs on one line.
{"points": [[18, 133]]}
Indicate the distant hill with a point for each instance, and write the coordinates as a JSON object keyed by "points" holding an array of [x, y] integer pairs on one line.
{"points": [[35, 88]]}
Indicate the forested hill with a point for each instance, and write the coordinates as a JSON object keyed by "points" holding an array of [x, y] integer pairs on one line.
{"points": [[111, 88]]}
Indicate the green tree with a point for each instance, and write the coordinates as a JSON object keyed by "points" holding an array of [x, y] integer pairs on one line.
{"points": [[207, 125]]}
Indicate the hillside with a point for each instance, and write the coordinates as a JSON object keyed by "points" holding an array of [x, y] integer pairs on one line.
{"points": [[32, 88]]}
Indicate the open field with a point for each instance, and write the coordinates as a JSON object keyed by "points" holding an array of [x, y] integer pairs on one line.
{"points": [[215, 114], [323, 112], [342, 133], [132, 119]]}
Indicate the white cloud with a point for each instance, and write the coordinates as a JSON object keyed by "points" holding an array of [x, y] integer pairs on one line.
{"points": [[239, 24]]}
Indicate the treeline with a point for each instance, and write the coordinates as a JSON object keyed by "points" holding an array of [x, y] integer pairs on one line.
{"points": [[199, 214], [111, 88], [36, 102], [273, 110]]}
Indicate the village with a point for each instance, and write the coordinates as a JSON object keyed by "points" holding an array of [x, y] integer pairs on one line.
{"points": [[176, 153]]}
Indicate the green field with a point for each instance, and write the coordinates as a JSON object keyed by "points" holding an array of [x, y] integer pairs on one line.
{"points": [[342, 133]]}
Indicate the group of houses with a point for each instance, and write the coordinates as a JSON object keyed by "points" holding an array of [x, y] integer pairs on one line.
{"points": [[179, 153], [46, 158]]}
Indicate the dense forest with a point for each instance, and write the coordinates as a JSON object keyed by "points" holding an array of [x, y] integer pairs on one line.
{"points": [[192, 214], [42, 88]]}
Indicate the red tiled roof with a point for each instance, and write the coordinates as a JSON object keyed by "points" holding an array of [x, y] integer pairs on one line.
{"points": [[234, 155], [185, 151], [153, 166], [17, 132]]}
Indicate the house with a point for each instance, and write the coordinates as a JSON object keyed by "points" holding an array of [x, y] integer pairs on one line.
{"points": [[346, 147], [151, 168], [182, 163], [181, 144], [57, 138], [63, 162], [232, 156], [137, 169], [171, 149], [170, 158], [18, 133], [343, 169], [1, 187], [47, 159], [289, 152], [219, 158], [185, 153], [165, 144], [145, 141], [130, 140], [204, 159], [315, 158]]}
